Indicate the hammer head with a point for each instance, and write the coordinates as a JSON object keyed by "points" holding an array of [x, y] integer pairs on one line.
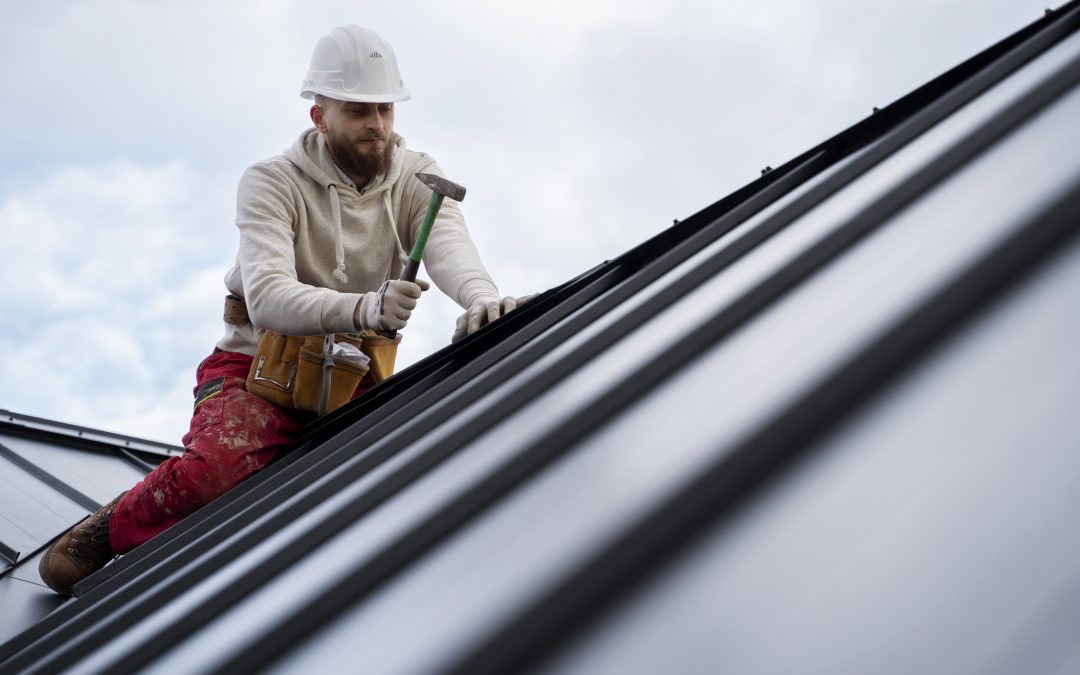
{"points": [[447, 188]]}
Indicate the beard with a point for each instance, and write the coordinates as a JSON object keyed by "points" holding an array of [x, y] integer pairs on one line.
{"points": [[357, 163]]}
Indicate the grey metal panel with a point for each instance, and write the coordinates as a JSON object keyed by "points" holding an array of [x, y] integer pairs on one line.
{"points": [[163, 616], [429, 388], [274, 599], [49, 479], [990, 102], [22, 602], [27, 570], [32, 513], [138, 593], [24, 598], [8, 556], [728, 204], [46, 429], [97, 474], [513, 552], [933, 532], [419, 505], [325, 560], [273, 603]]}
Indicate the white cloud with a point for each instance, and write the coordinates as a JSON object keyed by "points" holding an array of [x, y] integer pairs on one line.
{"points": [[112, 274]]}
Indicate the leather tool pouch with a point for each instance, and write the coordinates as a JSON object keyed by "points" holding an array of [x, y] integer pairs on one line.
{"points": [[383, 353], [287, 371]]}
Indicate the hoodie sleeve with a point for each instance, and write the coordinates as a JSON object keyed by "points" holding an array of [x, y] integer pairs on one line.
{"points": [[266, 211], [450, 258]]}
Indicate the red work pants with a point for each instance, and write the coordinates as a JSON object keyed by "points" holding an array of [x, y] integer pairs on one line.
{"points": [[233, 434]]}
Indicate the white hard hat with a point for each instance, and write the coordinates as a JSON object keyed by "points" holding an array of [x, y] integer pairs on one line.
{"points": [[351, 63]]}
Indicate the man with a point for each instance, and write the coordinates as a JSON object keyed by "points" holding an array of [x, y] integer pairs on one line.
{"points": [[324, 230]]}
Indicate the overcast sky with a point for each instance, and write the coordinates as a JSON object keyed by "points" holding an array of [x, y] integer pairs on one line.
{"points": [[580, 129]]}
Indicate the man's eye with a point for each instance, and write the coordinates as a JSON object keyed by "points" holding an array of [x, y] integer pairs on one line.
{"points": [[386, 107]]}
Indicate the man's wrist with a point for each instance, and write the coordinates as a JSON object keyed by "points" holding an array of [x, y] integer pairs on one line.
{"points": [[361, 312]]}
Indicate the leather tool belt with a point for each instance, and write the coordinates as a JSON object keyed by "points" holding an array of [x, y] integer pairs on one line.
{"points": [[287, 369]]}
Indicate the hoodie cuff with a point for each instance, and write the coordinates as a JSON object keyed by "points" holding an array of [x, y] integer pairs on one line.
{"points": [[337, 312], [477, 288]]}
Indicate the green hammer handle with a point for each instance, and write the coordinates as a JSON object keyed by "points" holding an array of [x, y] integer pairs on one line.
{"points": [[412, 266]]}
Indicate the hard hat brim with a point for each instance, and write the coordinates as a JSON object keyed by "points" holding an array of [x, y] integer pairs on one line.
{"points": [[393, 97]]}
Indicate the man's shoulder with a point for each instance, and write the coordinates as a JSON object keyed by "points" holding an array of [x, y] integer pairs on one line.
{"points": [[414, 160], [278, 169], [277, 164]]}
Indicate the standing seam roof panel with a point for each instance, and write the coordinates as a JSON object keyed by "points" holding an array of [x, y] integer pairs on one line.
{"points": [[368, 466]]}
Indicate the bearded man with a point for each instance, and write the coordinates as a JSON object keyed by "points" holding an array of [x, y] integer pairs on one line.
{"points": [[324, 230]]}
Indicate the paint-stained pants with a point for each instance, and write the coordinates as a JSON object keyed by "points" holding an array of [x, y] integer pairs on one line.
{"points": [[233, 434]]}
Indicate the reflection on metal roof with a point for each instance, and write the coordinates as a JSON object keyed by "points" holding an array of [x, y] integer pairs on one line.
{"points": [[825, 425]]}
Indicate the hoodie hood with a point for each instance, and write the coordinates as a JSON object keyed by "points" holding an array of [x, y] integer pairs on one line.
{"points": [[311, 155]]}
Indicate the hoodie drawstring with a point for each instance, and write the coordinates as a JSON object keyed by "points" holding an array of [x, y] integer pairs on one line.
{"points": [[339, 245], [387, 202]]}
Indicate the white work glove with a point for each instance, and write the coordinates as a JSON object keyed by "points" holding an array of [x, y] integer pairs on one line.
{"points": [[390, 307], [483, 311]]}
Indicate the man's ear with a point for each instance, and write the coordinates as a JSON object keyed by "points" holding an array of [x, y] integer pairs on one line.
{"points": [[317, 118]]}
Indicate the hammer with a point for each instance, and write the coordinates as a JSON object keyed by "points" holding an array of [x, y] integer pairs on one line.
{"points": [[440, 187]]}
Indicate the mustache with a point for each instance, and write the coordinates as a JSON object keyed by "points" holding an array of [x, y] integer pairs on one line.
{"points": [[373, 136]]}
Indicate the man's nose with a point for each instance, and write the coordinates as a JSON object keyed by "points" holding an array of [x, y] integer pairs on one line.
{"points": [[375, 120]]}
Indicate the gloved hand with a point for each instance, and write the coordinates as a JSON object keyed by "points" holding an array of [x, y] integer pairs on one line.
{"points": [[390, 307], [484, 310]]}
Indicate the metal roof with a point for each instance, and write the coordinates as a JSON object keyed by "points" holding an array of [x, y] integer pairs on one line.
{"points": [[827, 424], [51, 476]]}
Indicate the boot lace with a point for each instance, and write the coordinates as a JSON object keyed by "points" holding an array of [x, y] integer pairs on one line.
{"points": [[92, 545]]}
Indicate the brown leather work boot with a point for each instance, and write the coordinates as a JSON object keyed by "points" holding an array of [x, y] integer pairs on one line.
{"points": [[79, 553]]}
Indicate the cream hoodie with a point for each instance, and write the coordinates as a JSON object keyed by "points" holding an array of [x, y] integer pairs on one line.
{"points": [[311, 245]]}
